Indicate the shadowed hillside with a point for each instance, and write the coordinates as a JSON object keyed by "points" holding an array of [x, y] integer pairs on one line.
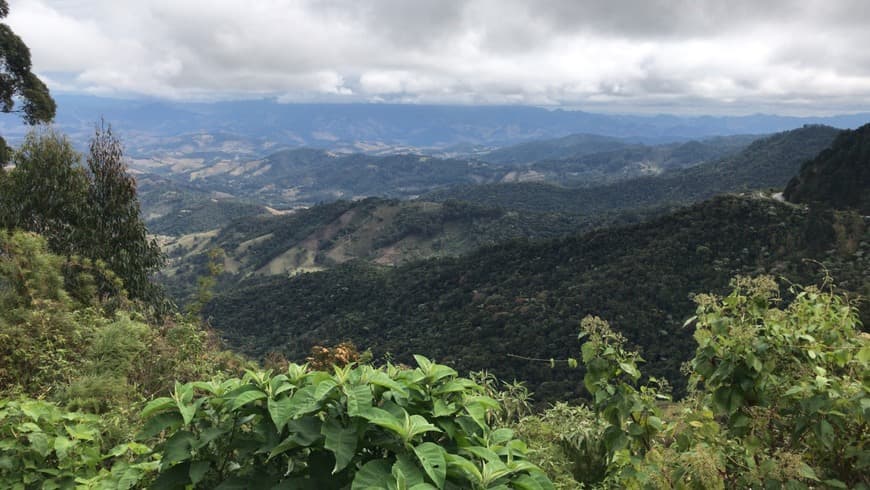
{"points": [[521, 298], [839, 176]]}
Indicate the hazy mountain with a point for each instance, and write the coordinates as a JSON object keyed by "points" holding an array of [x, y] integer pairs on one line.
{"points": [[305, 176], [766, 163], [358, 127], [570, 146]]}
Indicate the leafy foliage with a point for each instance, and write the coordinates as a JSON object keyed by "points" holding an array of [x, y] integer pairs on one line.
{"points": [[17, 81], [43, 446], [779, 400], [91, 214], [67, 345], [45, 193], [113, 222], [359, 427]]}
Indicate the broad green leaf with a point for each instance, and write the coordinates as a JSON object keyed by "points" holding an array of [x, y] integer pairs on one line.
{"points": [[159, 423], [431, 456], [477, 413], [526, 482], [500, 436], [157, 405], [442, 409], [417, 425], [197, 471], [304, 401], [62, 446], [178, 447], [246, 397], [129, 478], [359, 398], [372, 475], [438, 372], [341, 441], [826, 434], [82, 432], [173, 478], [630, 369], [280, 411], [41, 443], [306, 430], [208, 435], [807, 472], [380, 378], [454, 386], [424, 363], [384, 419], [483, 453], [188, 411], [406, 472], [464, 468], [835, 484], [324, 388]]}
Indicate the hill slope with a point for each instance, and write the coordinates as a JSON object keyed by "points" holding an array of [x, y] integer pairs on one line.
{"points": [[839, 176], [521, 298], [170, 208], [380, 231]]}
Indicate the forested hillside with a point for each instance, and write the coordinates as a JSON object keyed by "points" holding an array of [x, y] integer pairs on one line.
{"points": [[174, 209], [379, 231], [526, 299], [839, 176]]}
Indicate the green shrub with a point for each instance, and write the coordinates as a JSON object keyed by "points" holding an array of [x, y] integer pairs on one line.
{"points": [[359, 427], [43, 446], [779, 397]]}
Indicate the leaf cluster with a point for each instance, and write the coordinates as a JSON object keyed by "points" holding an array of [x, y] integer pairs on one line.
{"points": [[357, 427]]}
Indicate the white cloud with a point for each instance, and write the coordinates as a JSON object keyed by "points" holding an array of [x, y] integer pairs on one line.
{"points": [[740, 55]]}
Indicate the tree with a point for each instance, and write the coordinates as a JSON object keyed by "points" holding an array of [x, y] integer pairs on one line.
{"points": [[117, 233], [17, 81], [47, 191]]}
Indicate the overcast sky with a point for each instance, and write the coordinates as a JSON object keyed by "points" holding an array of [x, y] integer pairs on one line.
{"points": [[679, 56]]}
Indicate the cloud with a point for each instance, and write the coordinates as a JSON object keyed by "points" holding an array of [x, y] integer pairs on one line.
{"points": [[794, 56]]}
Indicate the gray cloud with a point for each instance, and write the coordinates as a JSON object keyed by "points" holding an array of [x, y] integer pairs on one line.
{"points": [[684, 55]]}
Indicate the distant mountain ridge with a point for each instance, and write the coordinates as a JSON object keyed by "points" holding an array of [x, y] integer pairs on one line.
{"points": [[356, 126], [766, 163], [305, 176]]}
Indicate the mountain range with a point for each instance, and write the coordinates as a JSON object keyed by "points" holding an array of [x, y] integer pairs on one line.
{"points": [[353, 270], [149, 124]]}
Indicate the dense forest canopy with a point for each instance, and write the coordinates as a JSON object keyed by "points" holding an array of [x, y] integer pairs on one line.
{"points": [[838, 176]]}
